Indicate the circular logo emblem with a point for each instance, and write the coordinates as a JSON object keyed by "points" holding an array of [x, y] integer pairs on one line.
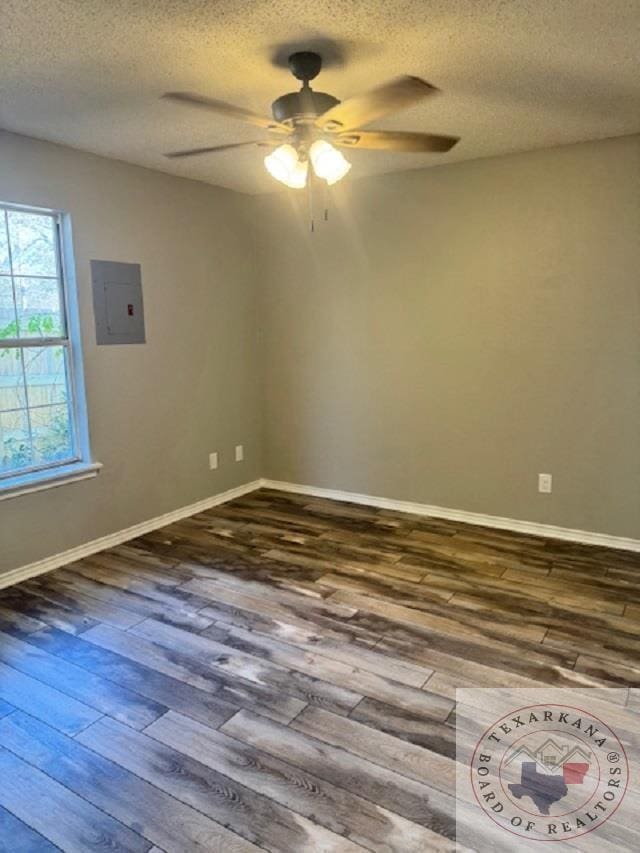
{"points": [[549, 772]]}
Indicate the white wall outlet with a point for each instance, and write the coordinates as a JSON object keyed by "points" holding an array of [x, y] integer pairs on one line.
{"points": [[213, 461], [239, 452], [544, 483]]}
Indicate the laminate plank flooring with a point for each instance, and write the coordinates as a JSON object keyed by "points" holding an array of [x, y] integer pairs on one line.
{"points": [[279, 673], [63, 817], [16, 835], [105, 788]]}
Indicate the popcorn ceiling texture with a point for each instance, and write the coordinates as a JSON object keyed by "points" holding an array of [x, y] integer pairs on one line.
{"points": [[516, 74]]}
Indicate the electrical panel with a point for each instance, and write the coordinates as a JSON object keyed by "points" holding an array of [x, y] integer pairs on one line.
{"points": [[117, 302]]}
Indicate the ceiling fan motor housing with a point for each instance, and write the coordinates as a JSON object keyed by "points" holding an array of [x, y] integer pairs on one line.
{"points": [[303, 104]]}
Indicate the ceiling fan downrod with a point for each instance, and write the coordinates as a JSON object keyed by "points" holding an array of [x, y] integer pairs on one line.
{"points": [[307, 104]]}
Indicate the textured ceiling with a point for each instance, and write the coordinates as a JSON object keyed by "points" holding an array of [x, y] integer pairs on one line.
{"points": [[515, 74]]}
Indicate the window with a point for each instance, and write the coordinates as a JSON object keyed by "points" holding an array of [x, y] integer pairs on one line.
{"points": [[41, 428]]}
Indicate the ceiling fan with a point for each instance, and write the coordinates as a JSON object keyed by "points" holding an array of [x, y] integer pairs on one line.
{"points": [[307, 125]]}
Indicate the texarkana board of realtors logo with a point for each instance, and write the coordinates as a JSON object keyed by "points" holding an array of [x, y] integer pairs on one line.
{"points": [[547, 772], [562, 781]]}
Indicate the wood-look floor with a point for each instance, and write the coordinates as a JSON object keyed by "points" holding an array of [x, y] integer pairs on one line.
{"points": [[278, 673]]}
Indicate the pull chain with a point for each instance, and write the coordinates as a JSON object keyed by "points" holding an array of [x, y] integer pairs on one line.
{"points": [[310, 198], [311, 184]]}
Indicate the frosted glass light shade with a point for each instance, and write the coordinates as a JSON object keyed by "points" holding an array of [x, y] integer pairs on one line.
{"points": [[328, 162], [284, 165]]}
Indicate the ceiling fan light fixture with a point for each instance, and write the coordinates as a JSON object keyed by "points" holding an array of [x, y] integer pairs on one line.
{"points": [[328, 162], [307, 119], [285, 166]]}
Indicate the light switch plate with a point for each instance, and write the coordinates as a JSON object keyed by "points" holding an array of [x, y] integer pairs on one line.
{"points": [[545, 483]]}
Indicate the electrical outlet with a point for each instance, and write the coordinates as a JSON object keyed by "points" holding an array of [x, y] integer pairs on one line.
{"points": [[239, 452], [544, 483], [213, 461]]}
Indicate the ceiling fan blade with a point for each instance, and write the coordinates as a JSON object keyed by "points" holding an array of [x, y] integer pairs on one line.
{"points": [[395, 140], [363, 109], [228, 110], [191, 151]]}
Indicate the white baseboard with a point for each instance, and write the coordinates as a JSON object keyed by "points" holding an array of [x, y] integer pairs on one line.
{"points": [[54, 562], [548, 530]]}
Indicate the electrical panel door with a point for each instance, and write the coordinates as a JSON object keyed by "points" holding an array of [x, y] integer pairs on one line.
{"points": [[117, 302]]}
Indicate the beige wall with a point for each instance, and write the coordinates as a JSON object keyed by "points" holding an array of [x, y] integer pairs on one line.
{"points": [[155, 411], [447, 335], [452, 332]]}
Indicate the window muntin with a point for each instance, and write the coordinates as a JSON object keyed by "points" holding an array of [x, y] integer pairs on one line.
{"points": [[38, 405]]}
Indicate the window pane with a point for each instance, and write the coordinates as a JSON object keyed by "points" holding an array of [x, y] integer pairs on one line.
{"points": [[33, 243], [12, 395], [39, 309], [4, 245], [37, 410], [46, 374], [8, 325], [15, 447], [51, 433]]}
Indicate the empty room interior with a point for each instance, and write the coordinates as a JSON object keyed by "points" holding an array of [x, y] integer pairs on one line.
{"points": [[319, 426]]}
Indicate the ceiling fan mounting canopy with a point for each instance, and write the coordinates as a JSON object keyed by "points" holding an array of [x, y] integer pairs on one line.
{"points": [[305, 65]]}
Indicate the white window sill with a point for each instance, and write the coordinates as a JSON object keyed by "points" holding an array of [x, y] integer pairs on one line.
{"points": [[36, 481]]}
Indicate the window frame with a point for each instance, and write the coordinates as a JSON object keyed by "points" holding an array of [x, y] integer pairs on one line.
{"points": [[78, 465]]}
